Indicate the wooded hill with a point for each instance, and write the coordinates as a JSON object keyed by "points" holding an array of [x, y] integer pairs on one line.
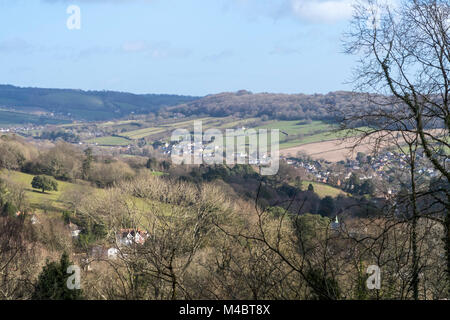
{"points": [[271, 105], [84, 105], [69, 104]]}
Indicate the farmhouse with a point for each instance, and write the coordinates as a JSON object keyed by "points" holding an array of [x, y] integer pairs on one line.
{"points": [[127, 237]]}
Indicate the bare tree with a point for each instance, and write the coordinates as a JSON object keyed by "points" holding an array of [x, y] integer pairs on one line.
{"points": [[404, 63]]}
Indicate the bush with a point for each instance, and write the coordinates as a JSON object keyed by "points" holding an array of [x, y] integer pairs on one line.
{"points": [[44, 183]]}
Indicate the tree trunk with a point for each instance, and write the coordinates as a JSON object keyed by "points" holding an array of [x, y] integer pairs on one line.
{"points": [[415, 257], [447, 243]]}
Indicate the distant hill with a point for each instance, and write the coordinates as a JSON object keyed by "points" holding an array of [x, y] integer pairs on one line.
{"points": [[275, 106], [38, 105], [8, 118], [84, 105]]}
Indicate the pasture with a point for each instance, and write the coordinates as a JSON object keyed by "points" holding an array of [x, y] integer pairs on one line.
{"points": [[110, 141], [323, 189], [50, 201]]}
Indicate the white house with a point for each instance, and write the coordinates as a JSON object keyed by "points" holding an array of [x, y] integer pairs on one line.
{"points": [[127, 237], [112, 253]]}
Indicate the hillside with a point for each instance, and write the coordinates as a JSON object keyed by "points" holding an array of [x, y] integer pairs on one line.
{"points": [[10, 117], [40, 106], [50, 201], [83, 105], [323, 189], [270, 105]]}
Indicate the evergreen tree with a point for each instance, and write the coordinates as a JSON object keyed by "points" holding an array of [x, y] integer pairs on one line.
{"points": [[52, 282], [323, 287], [367, 188], [9, 209], [152, 163], [298, 182], [326, 206], [87, 162]]}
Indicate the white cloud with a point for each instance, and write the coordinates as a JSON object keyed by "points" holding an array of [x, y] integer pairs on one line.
{"points": [[328, 11]]}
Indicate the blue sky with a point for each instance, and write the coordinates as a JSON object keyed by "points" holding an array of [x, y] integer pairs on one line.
{"points": [[194, 47]]}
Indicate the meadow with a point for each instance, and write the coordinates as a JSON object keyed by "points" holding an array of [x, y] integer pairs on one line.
{"points": [[323, 189], [50, 201], [110, 141]]}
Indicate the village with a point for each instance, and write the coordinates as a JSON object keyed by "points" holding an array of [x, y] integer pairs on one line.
{"points": [[386, 167]]}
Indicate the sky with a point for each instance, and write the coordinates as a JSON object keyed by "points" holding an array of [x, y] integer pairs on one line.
{"points": [[190, 47]]}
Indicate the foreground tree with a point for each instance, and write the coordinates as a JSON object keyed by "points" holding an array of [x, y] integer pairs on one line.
{"points": [[19, 258], [405, 61]]}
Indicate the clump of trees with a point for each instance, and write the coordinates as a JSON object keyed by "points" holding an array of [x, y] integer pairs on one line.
{"points": [[14, 152], [12, 198], [63, 135], [356, 186], [44, 183], [64, 161]]}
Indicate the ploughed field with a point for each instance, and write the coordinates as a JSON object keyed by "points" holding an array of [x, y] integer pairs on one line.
{"points": [[341, 149]]}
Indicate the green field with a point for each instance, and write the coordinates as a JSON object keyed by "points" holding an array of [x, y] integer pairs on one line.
{"points": [[158, 173], [110, 141], [53, 202], [324, 136], [322, 189], [293, 127], [142, 133], [116, 123], [190, 123], [48, 201], [235, 123], [297, 132]]}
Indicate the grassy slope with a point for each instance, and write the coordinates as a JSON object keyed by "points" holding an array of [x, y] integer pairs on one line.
{"points": [[319, 137], [322, 189], [315, 131], [48, 201], [292, 127], [110, 141]]}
